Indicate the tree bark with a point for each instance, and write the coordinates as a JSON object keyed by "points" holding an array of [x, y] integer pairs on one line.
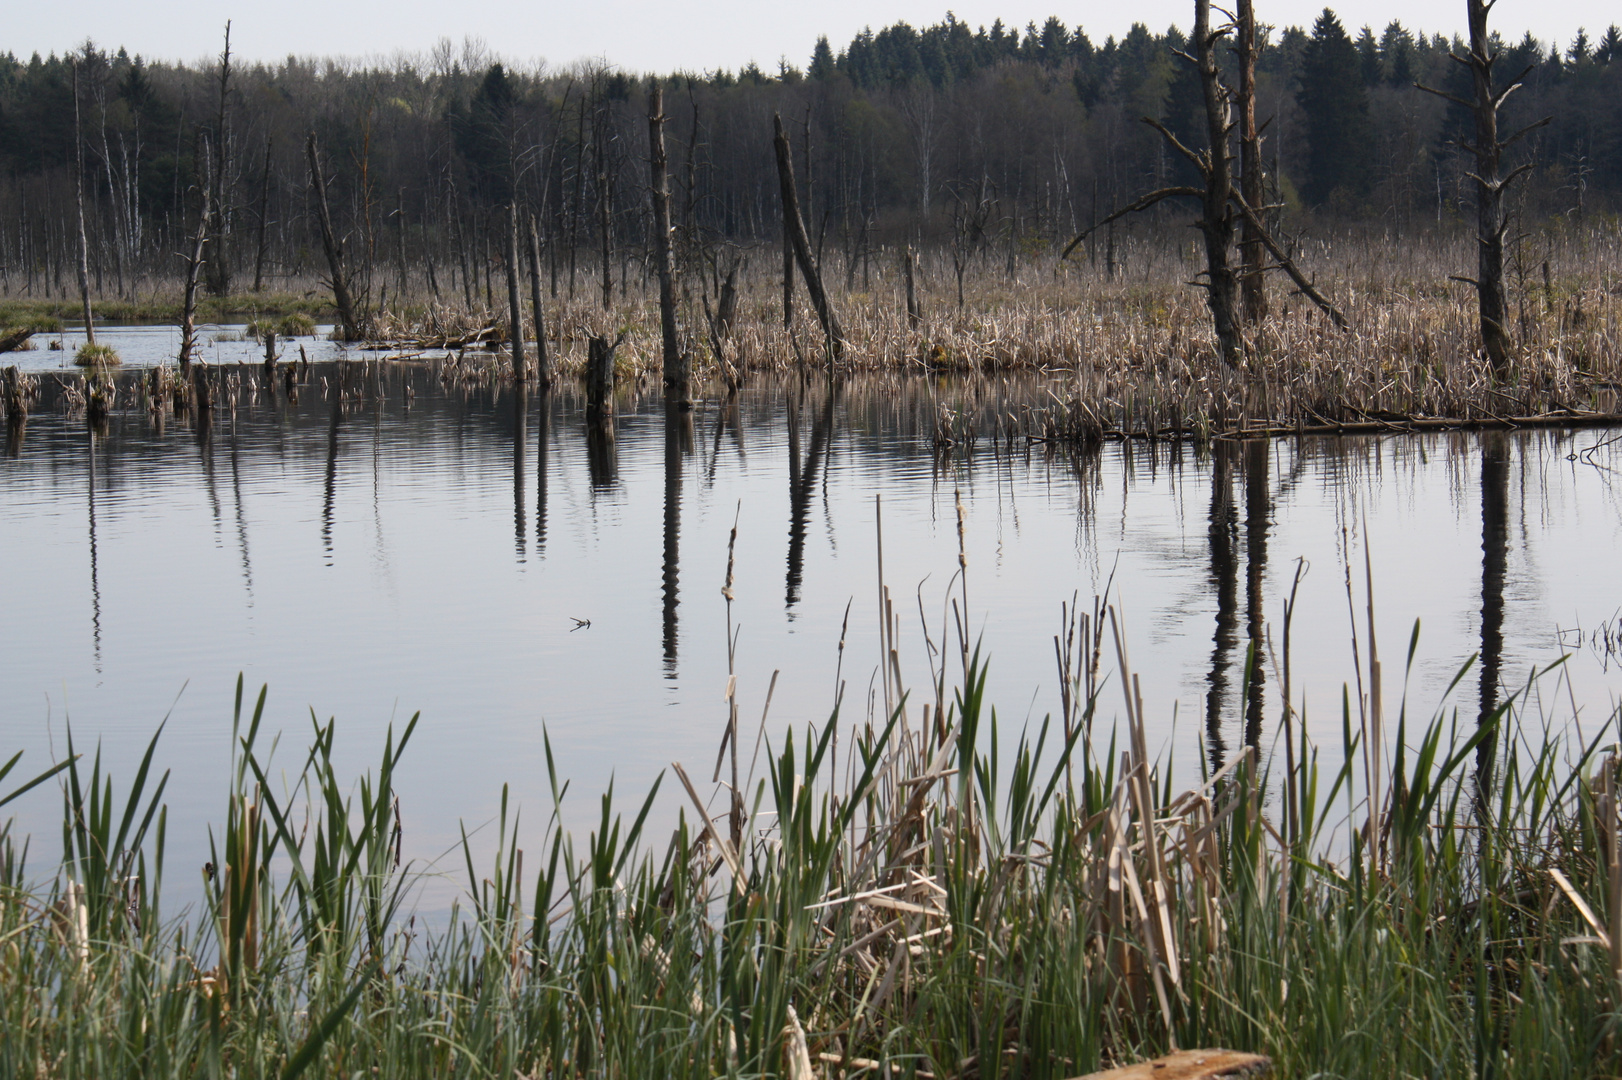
{"points": [[219, 270], [84, 249], [188, 312], [264, 213], [515, 309], [675, 361], [1216, 221], [1488, 150], [1253, 255], [794, 225], [349, 327], [543, 362]]}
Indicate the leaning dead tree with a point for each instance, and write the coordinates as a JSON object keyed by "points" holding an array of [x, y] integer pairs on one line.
{"points": [[348, 325], [1222, 205], [794, 226], [1488, 150]]}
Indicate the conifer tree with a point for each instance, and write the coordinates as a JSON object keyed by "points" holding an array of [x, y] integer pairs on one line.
{"points": [[1336, 104]]}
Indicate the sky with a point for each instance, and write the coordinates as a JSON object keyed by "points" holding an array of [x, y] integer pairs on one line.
{"points": [[641, 36]]}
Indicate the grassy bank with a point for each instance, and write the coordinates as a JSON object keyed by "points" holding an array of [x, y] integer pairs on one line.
{"points": [[163, 306], [912, 896]]}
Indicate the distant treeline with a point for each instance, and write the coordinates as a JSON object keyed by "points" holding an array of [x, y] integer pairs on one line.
{"points": [[991, 138]]}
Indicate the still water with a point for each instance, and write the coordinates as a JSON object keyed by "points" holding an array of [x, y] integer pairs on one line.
{"points": [[393, 539]]}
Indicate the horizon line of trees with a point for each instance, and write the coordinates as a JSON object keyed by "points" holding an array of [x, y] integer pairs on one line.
{"points": [[994, 141]]}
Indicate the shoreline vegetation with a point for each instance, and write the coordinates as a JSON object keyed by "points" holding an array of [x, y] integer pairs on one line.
{"points": [[918, 895], [1128, 358]]}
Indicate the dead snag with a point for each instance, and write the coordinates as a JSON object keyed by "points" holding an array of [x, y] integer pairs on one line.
{"points": [[794, 226], [543, 362], [675, 361], [84, 247], [1488, 149], [515, 310], [348, 325], [188, 306], [1216, 220], [1252, 253]]}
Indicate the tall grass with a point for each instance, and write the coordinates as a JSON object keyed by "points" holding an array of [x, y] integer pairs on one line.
{"points": [[918, 894]]}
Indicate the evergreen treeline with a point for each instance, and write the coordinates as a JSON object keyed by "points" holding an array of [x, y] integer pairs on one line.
{"points": [[991, 136]]}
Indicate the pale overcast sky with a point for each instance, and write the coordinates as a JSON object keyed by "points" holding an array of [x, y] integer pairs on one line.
{"points": [[642, 36]]}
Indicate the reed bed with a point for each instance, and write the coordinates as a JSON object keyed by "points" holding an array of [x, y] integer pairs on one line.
{"points": [[915, 893], [1133, 353]]}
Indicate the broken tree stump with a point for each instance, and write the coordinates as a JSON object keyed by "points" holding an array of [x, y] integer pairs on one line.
{"points": [[1193, 1065]]}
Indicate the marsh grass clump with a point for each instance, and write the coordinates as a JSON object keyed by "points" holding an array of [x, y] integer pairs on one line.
{"points": [[295, 324], [97, 355]]}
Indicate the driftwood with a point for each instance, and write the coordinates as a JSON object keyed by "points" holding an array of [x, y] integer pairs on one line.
{"points": [[1193, 1065], [14, 338]]}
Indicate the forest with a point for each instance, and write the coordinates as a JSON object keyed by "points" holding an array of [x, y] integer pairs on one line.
{"points": [[996, 140]]}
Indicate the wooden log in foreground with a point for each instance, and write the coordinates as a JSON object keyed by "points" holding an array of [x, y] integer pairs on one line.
{"points": [[1193, 1065]]}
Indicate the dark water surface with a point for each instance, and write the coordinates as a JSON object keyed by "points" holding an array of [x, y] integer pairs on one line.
{"points": [[395, 541]]}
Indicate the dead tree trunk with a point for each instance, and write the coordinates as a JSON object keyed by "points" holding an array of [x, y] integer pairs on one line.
{"points": [[543, 362], [1216, 222], [84, 248], [1488, 149], [219, 270], [263, 223], [675, 361], [600, 376], [348, 325], [188, 306], [1219, 199], [1252, 253], [515, 309], [794, 225], [909, 265], [605, 213]]}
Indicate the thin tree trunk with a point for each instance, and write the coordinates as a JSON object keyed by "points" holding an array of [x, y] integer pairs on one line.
{"points": [[349, 327], [219, 270], [84, 248], [543, 362], [188, 311], [515, 310], [605, 219], [264, 213], [1216, 222], [1253, 255], [675, 362]]}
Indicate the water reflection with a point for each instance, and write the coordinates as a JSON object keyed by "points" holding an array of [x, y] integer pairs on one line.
{"points": [[95, 575], [329, 490], [1494, 563], [602, 454], [678, 444], [1223, 530], [802, 481], [1258, 511], [452, 478], [543, 436], [520, 448]]}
